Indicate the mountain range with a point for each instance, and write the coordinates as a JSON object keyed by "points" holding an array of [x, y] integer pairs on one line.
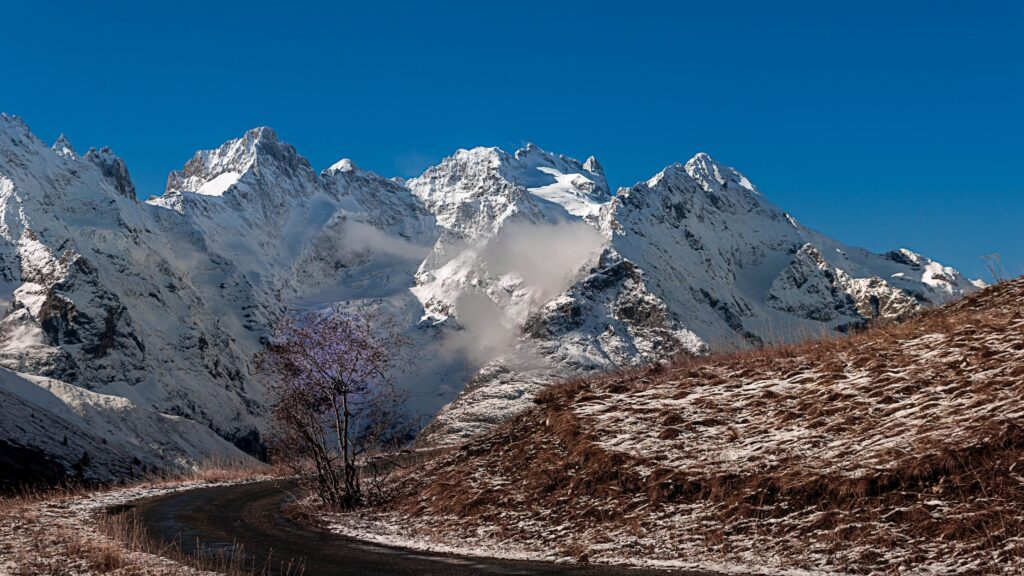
{"points": [[128, 327]]}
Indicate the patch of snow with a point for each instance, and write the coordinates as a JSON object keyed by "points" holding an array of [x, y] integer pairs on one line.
{"points": [[219, 184]]}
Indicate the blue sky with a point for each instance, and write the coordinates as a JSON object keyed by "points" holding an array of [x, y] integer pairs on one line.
{"points": [[882, 124]]}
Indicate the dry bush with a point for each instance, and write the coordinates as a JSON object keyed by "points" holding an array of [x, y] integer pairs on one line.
{"points": [[217, 470], [334, 398]]}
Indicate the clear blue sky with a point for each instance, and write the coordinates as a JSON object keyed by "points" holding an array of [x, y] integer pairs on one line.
{"points": [[883, 124]]}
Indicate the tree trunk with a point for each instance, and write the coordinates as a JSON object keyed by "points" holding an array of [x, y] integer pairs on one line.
{"points": [[351, 477]]}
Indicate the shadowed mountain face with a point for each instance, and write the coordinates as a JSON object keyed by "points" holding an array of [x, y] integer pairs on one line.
{"points": [[506, 271]]}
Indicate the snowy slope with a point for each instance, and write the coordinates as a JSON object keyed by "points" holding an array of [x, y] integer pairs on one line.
{"points": [[98, 294], [506, 270], [496, 213], [96, 437]]}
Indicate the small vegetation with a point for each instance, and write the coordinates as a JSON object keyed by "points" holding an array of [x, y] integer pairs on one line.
{"points": [[335, 403]]}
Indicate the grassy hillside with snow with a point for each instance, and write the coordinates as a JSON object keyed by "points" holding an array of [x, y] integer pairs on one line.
{"points": [[897, 449]]}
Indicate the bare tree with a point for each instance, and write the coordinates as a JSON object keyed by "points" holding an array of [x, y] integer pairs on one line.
{"points": [[995, 266], [334, 395]]}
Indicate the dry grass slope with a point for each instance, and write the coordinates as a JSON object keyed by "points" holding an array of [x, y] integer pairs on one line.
{"points": [[68, 532], [899, 449]]}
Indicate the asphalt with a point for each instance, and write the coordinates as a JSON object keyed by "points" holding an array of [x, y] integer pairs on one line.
{"points": [[247, 519]]}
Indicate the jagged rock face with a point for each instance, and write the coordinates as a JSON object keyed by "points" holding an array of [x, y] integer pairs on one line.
{"points": [[90, 324], [249, 194], [609, 318], [709, 242], [248, 171], [92, 296], [507, 271], [165, 303], [580, 189], [742, 260], [809, 288], [875, 298], [112, 167], [474, 191], [469, 196], [382, 203], [605, 320]]}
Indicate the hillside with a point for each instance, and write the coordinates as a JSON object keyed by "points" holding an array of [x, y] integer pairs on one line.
{"points": [[896, 449]]}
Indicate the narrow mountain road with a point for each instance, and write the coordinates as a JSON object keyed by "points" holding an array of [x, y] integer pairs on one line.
{"points": [[248, 518]]}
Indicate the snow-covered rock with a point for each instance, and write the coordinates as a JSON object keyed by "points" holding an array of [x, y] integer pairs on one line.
{"points": [[63, 147], [111, 295], [111, 166]]}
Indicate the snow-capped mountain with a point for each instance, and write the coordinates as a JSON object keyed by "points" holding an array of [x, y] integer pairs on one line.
{"points": [[506, 271], [692, 260], [113, 297], [163, 304]]}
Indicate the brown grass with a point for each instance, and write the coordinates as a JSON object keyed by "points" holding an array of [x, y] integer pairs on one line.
{"points": [[936, 403], [228, 470], [121, 546], [40, 534]]}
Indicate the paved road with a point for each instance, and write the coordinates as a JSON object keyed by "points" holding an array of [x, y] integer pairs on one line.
{"points": [[250, 515]]}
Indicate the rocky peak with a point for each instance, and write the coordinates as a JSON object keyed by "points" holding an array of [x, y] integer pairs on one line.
{"points": [[672, 173], [64, 148], [529, 149], [905, 257], [343, 165], [469, 185], [16, 135], [479, 171], [482, 159], [13, 125], [258, 157], [387, 204], [714, 176], [533, 167], [345, 179], [112, 167], [702, 187]]}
